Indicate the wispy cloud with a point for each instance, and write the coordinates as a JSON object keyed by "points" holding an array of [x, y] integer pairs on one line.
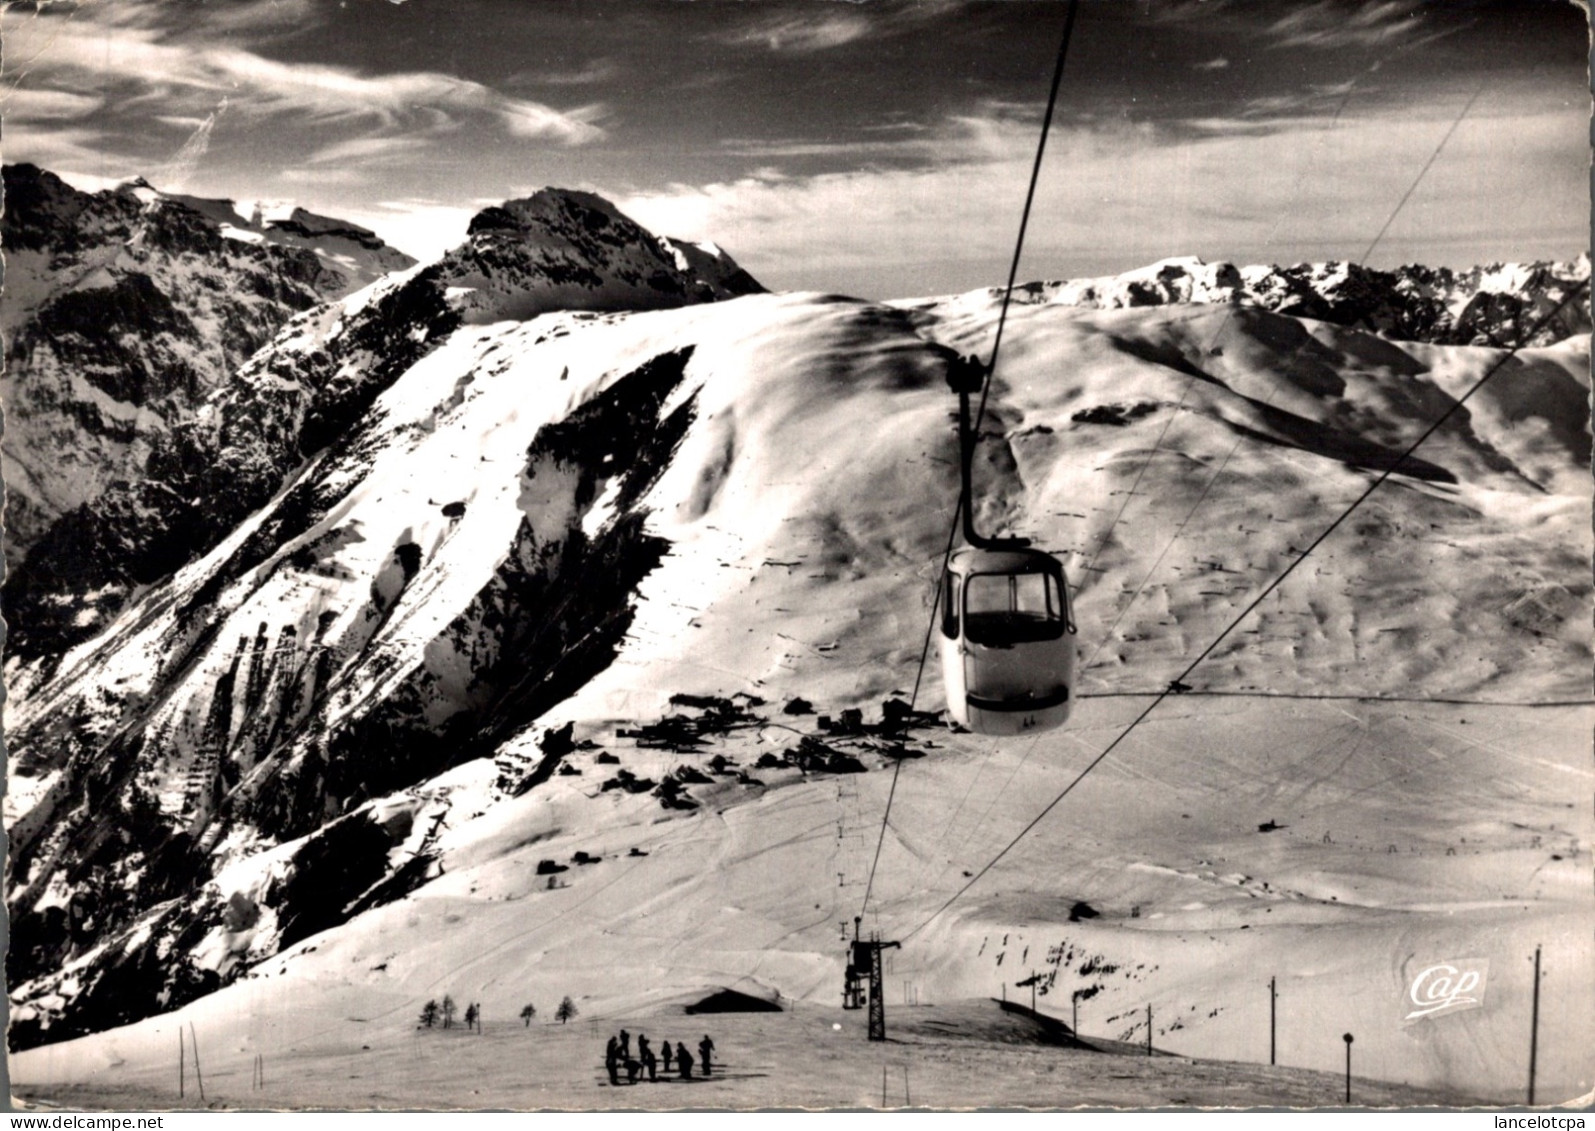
{"points": [[366, 151], [986, 128], [1292, 109], [103, 53], [26, 105], [1314, 25], [179, 121], [873, 149], [1109, 201], [590, 74], [1332, 24], [173, 176], [71, 151], [241, 17], [827, 27]]}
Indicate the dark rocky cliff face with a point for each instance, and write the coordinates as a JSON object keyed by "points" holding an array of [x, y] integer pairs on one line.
{"points": [[215, 461], [1506, 307], [212, 469], [123, 310]]}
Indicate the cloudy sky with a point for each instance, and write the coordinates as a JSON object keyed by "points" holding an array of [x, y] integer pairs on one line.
{"points": [[879, 148]]}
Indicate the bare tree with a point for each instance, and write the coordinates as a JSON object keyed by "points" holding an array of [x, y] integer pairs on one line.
{"points": [[449, 1009]]}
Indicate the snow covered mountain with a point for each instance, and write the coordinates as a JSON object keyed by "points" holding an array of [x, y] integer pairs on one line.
{"points": [[215, 463], [124, 308], [1496, 305], [478, 565]]}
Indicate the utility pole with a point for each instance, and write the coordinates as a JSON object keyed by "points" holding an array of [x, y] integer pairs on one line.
{"points": [[198, 1075], [877, 993], [1347, 1039], [1076, 1004], [1534, 1026], [1148, 1028], [1273, 1004]]}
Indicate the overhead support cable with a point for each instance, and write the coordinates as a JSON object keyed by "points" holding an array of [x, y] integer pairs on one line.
{"points": [[1177, 683], [985, 390]]}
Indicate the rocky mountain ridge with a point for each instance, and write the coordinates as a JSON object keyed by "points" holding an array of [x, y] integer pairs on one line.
{"points": [[211, 465], [124, 309], [1500, 304]]}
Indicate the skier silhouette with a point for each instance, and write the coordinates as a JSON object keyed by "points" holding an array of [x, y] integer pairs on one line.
{"points": [[684, 1060], [612, 1060], [705, 1048]]}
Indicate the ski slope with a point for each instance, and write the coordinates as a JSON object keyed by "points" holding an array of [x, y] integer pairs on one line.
{"points": [[1410, 711]]}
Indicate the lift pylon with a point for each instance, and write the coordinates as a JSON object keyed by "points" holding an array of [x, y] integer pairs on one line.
{"points": [[865, 962]]}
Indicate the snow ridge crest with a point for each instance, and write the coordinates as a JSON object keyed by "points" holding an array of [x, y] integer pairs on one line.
{"points": [[1498, 304]]}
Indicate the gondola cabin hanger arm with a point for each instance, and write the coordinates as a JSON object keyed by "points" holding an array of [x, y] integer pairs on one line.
{"points": [[1007, 636]]}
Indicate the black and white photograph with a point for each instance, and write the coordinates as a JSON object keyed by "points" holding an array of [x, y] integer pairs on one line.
{"points": [[573, 555]]}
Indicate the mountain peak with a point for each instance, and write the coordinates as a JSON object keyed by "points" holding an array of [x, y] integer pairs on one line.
{"points": [[566, 249], [548, 207]]}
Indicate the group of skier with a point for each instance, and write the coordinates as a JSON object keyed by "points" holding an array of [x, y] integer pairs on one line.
{"points": [[618, 1058]]}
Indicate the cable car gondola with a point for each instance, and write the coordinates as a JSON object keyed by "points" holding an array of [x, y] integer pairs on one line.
{"points": [[1007, 636]]}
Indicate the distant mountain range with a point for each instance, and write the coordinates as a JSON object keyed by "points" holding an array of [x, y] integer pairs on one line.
{"points": [[1501, 305]]}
